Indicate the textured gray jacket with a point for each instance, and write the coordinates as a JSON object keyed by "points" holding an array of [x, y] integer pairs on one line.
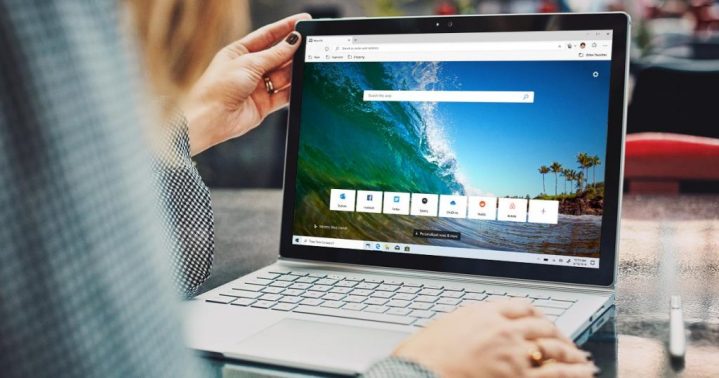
{"points": [[85, 284]]}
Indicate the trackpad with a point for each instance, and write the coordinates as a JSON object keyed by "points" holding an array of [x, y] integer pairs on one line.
{"points": [[319, 346]]}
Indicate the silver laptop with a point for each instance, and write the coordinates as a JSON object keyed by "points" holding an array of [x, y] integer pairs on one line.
{"points": [[431, 163]]}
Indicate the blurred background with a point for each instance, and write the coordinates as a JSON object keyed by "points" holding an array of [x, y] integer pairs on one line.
{"points": [[673, 122]]}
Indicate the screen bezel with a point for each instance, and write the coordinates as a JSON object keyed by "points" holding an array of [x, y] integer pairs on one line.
{"points": [[603, 276]]}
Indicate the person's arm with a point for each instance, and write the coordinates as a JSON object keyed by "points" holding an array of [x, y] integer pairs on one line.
{"points": [[186, 206]]}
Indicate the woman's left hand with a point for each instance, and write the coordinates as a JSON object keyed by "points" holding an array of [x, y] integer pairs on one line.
{"points": [[231, 98]]}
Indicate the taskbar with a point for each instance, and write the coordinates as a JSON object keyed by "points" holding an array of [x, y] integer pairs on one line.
{"points": [[431, 250]]}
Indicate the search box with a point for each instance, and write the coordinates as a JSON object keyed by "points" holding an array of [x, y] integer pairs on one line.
{"points": [[525, 97]]}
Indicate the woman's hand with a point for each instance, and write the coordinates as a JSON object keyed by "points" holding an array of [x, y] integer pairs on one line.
{"points": [[230, 98], [495, 340]]}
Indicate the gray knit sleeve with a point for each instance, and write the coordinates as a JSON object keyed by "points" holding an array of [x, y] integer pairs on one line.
{"points": [[187, 208], [398, 368]]}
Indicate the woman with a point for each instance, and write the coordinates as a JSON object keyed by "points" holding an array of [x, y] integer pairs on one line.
{"points": [[83, 292]]}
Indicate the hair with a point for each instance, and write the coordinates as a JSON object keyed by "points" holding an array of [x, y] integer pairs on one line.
{"points": [[178, 39]]}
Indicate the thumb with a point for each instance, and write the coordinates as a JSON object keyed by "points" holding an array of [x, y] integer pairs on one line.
{"points": [[275, 56]]}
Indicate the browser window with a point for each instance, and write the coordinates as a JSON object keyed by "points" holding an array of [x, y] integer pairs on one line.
{"points": [[475, 145]]}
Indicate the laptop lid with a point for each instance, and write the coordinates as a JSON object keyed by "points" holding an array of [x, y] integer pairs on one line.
{"points": [[487, 145]]}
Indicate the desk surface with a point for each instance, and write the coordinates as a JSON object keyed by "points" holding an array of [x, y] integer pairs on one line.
{"points": [[669, 245]]}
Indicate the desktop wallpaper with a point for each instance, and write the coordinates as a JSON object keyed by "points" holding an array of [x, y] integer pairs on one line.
{"points": [[491, 149]]}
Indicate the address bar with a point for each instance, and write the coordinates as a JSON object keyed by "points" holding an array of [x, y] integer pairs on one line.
{"points": [[525, 97]]}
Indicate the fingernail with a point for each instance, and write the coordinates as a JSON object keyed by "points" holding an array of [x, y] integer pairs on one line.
{"points": [[588, 356], [292, 38], [597, 371]]}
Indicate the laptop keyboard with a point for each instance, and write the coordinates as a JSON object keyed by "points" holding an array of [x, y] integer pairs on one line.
{"points": [[354, 297]]}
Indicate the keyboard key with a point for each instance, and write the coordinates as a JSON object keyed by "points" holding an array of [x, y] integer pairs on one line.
{"points": [[354, 299], [398, 311], [272, 290], [280, 272], [452, 294], [354, 306], [245, 294], [454, 288], [516, 294], [398, 303], [311, 302], [496, 292], [373, 280], [434, 292], [408, 290], [287, 277], [326, 281], [376, 309], [474, 290], [335, 277], [366, 286], [284, 306], [393, 282], [290, 299], [362, 292], [267, 276], [422, 314], [443, 308], [293, 292], [257, 281], [321, 288], [563, 298], [449, 301], [551, 311], [355, 279], [250, 287], [270, 297], [475, 296], [376, 301], [361, 315], [220, 299], [316, 275], [385, 287], [383, 294], [333, 297], [332, 304], [263, 304], [426, 298], [300, 286], [341, 290], [420, 306], [494, 298], [404, 297], [312, 294], [539, 296], [306, 280], [552, 303], [280, 284], [300, 274], [435, 287], [243, 302], [422, 322], [412, 284]]}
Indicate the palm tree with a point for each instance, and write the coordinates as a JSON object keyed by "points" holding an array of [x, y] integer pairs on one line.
{"points": [[584, 163], [595, 163], [566, 172], [543, 170], [556, 168], [580, 180]]}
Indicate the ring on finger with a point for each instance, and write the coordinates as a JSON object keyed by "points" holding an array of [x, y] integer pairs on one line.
{"points": [[269, 86]]}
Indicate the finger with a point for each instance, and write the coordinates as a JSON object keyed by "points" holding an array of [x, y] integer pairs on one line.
{"points": [[514, 309], [281, 77], [564, 370], [267, 35], [560, 351], [273, 57], [533, 328]]}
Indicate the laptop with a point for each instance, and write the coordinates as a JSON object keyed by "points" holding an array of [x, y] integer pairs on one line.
{"points": [[431, 163]]}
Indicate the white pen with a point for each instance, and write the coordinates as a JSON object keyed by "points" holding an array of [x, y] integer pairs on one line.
{"points": [[677, 333]]}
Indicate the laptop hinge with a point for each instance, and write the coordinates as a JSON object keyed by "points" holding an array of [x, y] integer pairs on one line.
{"points": [[357, 268]]}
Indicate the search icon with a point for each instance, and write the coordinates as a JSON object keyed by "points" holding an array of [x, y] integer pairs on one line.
{"points": [[525, 97]]}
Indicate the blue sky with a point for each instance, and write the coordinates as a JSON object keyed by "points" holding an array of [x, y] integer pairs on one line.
{"points": [[500, 147]]}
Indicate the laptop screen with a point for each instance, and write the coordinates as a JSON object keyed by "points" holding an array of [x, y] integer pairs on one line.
{"points": [[475, 145]]}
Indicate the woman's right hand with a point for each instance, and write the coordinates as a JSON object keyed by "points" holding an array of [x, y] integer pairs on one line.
{"points": [[495, 340]]}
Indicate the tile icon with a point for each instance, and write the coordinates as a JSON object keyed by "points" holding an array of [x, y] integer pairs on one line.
{"points": [[424, 204], [369, 201], [342, 200], [512, 209], [542, 211], [482, 208], [396, 203], [453, 206]]}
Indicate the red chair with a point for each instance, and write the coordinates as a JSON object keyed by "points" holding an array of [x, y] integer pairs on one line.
{"points": [[658, 162]]}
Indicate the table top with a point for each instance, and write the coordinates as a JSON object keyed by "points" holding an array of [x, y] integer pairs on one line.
{"points": [[668, 245]]}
